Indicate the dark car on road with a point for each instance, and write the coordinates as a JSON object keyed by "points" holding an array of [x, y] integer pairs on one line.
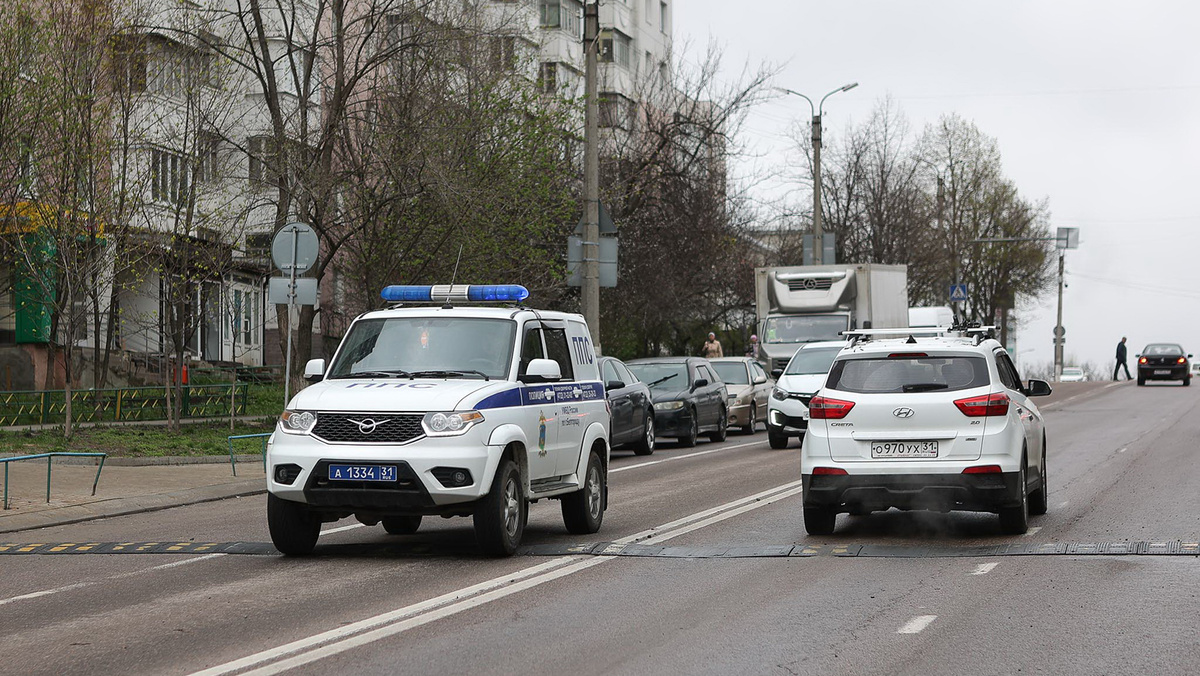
{"points": [[632, 410], [689, 398], [1164, 361]]}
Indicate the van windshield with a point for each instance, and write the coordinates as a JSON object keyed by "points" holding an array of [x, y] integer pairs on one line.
{"points": [[908, 374], [440, 346], [805, 328]]}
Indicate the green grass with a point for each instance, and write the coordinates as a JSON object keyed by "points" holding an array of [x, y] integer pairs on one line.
{"points": [[196, 439]]}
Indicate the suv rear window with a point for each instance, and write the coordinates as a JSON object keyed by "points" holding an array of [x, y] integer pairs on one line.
{"points": [[908, 374]]}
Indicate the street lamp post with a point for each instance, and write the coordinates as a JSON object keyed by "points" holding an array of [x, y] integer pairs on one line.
{"points": [[818, 231]]}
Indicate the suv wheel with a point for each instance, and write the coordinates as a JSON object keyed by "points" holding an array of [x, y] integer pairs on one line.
{"points": [[722, 427], [645, 446], [776, 439], [1015, 520], [583, 510], [500, 517], [294, 529], [401, 525], [693, 432], [819, 520]]}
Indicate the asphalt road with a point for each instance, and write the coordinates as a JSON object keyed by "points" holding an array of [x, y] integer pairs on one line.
{"points": [[714, 590]]}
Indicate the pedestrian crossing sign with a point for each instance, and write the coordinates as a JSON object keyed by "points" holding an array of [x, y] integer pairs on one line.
{"points": [[958, 293]]}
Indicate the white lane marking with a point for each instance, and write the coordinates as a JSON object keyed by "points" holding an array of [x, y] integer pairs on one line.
{"points": [[121, 576], [917, 624], [46, 592], [341, 528], [984, 568], [681, 457], [176, 564], [1122, 449], [334, 641], [1064, 504], [1032, 531]]}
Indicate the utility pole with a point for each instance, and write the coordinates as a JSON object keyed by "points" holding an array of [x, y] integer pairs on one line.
{"points": [[590, 288], [818, 225], [818, 229], [1058, 328]]}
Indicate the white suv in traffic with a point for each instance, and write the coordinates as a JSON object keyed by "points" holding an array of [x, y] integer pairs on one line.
{"points": [[444, 410], [795, 385], [938, 420]]}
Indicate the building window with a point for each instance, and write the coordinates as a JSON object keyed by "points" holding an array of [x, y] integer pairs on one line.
{"points": [[504, 52], [615, 47], [168, 176], [264, 162], [563, 14], [615, 111], [129, 64], [662, 16], [548, 77], [207, 167], [650, 11], [649, 64]]}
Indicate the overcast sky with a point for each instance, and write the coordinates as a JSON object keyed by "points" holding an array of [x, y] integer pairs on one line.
{"points": [[1095, 106]]}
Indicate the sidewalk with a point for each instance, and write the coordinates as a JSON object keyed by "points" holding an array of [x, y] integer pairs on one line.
{"points": [[174, 482], [123, 489]]}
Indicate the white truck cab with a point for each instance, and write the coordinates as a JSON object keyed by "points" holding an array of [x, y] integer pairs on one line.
{"points": [[444, 410]]}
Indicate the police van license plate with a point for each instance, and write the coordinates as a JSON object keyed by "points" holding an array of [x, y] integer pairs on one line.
{"points": [[1162, 372], [904, 449], [362, 472]]}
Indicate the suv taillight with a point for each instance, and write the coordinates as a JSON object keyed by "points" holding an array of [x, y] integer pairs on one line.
{"points": [[985, 405], [825, 408]]}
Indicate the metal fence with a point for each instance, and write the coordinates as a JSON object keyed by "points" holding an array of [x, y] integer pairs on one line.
{"points": [[119, 404]]}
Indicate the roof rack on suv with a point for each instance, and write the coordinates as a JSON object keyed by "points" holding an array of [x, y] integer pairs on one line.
{"points": [[965, 329]]}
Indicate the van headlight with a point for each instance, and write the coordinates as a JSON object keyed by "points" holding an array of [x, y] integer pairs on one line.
{"points": [[297, 422], [779, 394], [668, 405], [450, 424]]}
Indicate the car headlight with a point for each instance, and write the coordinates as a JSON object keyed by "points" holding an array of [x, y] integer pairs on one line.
{"points": [[668, 405], [450, 424], [297, 422], [779, 394]]}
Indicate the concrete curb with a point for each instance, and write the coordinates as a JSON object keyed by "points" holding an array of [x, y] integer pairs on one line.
{"points": [[103, 509]]}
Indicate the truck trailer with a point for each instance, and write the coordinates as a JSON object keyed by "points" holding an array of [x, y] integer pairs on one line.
{"points": [[803, 304]]}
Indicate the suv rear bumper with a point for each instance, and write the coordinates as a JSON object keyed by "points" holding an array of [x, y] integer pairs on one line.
{"points": [[939, 492]]}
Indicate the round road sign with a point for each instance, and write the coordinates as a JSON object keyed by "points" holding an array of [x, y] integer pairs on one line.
{"points": [[298, 240]]}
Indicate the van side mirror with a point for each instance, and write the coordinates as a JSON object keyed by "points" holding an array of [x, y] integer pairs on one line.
{"points": [[759, 380], [542, 371], [614, 385], [777, 373], [1038, 388], [314, 370], [700, 382]]}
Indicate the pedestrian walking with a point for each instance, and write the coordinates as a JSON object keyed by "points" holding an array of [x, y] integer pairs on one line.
{"points": [[752, 351], [1121, 361], [712, 347]]}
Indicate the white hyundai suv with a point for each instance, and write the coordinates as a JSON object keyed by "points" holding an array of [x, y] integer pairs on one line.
{"points": [[939, 420]]}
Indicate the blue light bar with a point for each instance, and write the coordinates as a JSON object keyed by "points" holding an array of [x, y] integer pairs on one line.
{"points": [[411, 294], [497, 293], [494, 293]]}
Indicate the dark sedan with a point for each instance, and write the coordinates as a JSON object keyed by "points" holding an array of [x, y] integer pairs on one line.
{"points": [[1164, 361], [689, 398], [632, 410]]}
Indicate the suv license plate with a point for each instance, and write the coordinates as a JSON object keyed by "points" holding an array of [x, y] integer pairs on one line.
{"points": [[1162, 372], [362, 472], [904, 449]]}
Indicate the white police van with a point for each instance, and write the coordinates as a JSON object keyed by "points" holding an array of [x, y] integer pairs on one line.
{"points": [[444, 410]]}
